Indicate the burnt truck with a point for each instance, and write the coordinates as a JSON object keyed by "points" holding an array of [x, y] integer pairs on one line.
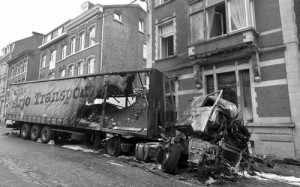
{"points": [[118, 103]]}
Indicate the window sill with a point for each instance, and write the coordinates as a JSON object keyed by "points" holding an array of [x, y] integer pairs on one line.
{"points": [[118, 21], [142, 32], [163, 4], [167, 58], [223, 36]]}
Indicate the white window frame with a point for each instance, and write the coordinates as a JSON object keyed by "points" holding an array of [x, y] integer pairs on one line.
{"points": [[62, 72], [250, 16], [160, 36], [64, 52], [52, 59], [144, 51], [25, 66], [21, 67], [92, 42], [91, 66], [71, 70], [59, 31], [118, 16], [160, 2], [81, 40], [52, 75], [141, 25], [73, 45], [18, 69], [43, 61], [80, 68]]}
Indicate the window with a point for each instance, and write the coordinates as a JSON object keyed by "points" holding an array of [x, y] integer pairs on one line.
{"points": [[81, 40], [47, 38], [62, 73], [60, 30], [208, 18], [73, 43], [25, 66], [12, 72], [141, 25], [43, 64], [18, 69], [52, 75], [63, 51], [52, 59], [91, 64], [159, 2], [21, 67], [144, 51], [166, 40], [71, 70], [80, 68], [92, 35], [118, 16]]}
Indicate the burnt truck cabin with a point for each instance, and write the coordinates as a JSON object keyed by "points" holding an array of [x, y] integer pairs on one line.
{"points": [[120, 103]]}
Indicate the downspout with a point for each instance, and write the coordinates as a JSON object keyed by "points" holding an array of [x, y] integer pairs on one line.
{"points": [[101, 46]]}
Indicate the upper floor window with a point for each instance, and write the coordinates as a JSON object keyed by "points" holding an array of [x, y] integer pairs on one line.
{"points": [[166, 38], [208, 18], [43, 63], [118, 16], [90, 65], [141, 25], [21, 67], [71, 70], [59, 31], [47, 38], [18, 69], [52, 75], [62, 73], [52, 59], [25, 66], [81, 40], [159, 2], [80, 68], [92, 36], [144, 51], [12, 72], [64, 52], [73, 44]]}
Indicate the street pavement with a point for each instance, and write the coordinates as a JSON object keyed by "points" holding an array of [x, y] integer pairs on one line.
{"points": [[27, 163]]}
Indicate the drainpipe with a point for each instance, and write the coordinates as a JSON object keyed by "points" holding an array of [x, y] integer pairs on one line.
{"points": [[101, 46]]}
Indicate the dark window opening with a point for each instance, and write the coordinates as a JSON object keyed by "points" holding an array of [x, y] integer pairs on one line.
{"points": [[167, 46], [216, 17]]}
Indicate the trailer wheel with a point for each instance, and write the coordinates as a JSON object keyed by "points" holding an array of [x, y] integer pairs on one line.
{"points": [[171, 158], [113, 146], [46, 134], [35, 132], [25, 131]]}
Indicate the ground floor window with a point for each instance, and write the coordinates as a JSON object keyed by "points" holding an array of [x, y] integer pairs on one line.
{"points": [[228, 82]]}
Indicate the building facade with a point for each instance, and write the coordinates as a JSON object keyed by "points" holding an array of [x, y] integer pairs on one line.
{"points": [[18, 64], [101, 39], [22, 66], [247, 48]]}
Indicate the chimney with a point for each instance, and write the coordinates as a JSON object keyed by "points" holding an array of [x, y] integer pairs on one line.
{"points": [[86, 6]]}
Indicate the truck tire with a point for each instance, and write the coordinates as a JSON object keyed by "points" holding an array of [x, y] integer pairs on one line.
{"points": [[25, 131], [46, 134], [171, 158], [35, 132], [113, 146]]}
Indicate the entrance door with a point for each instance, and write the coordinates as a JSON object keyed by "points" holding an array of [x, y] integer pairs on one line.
{"points": [[227, 83]]}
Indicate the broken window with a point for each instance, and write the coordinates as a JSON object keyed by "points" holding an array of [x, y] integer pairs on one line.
{"points": [[212, 18], [166, 39]]}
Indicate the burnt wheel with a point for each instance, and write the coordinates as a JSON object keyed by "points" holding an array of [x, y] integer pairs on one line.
{"points": [[35, 132], [170, 158], [113, 146], [46, 134], [25, 131]]}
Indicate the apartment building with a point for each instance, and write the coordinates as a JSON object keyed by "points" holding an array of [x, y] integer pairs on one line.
{"points": [[18, 64], [103, 38], [247, 48]]}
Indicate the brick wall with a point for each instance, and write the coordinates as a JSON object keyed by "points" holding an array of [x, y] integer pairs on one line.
{"points": [[273, 101], [123, 42], [273, 72]]}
